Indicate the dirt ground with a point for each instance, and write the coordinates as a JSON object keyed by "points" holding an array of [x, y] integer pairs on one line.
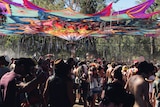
{"points": [[81, 105]]}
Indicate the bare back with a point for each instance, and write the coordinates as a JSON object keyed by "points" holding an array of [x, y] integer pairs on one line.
{"points": [[108, 74], [139, 88]]}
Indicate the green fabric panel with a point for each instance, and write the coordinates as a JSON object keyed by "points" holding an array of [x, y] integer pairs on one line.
{"points": [[22, 12], [115, 18], [9, 20], [68, 14]]}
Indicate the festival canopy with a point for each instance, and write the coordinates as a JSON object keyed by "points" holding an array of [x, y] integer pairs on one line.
{"points": [[27, 18]]}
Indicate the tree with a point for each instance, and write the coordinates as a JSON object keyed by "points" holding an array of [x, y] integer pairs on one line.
{"points": [[50, 4]]}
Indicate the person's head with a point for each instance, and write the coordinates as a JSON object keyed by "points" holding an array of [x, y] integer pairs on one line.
{"points": [[44, 64], [93, 71], [40, 61], [61, 68], [157, 66], [71, 62], [4, 60], [124, 68], [113, 64], [117, 74], [24, 66], [81, 63], [145, 68], [100, 70]]}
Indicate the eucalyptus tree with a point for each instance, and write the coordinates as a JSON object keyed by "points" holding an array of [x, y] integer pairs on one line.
{"points": [[154, 7], [50, 4], [158, 5]]}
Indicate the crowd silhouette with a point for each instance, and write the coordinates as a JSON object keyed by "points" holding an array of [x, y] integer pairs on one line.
{"points": [[48, 82]]}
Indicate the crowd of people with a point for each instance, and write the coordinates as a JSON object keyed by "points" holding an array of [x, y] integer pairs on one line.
{"points": [[47, 82]]}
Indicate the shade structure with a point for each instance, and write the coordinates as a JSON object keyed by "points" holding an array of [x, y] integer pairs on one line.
{"points": [[27, 18]]}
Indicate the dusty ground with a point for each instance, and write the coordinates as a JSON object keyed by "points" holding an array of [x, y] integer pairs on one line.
{"points": [[78, 105], [81, 105]]}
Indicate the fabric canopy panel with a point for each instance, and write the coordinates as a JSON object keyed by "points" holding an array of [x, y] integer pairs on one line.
{"points": [[27, 18]]}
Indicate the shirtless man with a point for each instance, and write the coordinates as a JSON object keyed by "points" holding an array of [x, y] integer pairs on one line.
{"points": [[139, 87], [109, 72]]}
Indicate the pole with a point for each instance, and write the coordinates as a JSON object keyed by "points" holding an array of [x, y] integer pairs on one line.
{"points": [[152, 47]]}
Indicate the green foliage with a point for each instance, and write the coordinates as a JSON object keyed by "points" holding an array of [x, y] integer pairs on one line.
{"points": [[50, 4], [91, 6], [11, 41], [116, 48], [84, 6], [127, 47]]}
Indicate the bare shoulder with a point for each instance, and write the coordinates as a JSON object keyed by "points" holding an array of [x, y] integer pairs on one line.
{"points": [[136, 83], [136, 79]]}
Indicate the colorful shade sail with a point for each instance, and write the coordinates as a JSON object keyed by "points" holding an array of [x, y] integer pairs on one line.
{"points": [[139, 9], [27, 18]]}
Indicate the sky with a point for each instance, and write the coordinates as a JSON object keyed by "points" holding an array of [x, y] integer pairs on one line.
{"points": [[120, 5], [124, 4]]}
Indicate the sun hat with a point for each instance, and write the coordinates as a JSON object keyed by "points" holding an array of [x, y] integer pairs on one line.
{"points": [[28, 65], [25, 61], [59, 63], [5, 60], [61, 68], [124, 68]]}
